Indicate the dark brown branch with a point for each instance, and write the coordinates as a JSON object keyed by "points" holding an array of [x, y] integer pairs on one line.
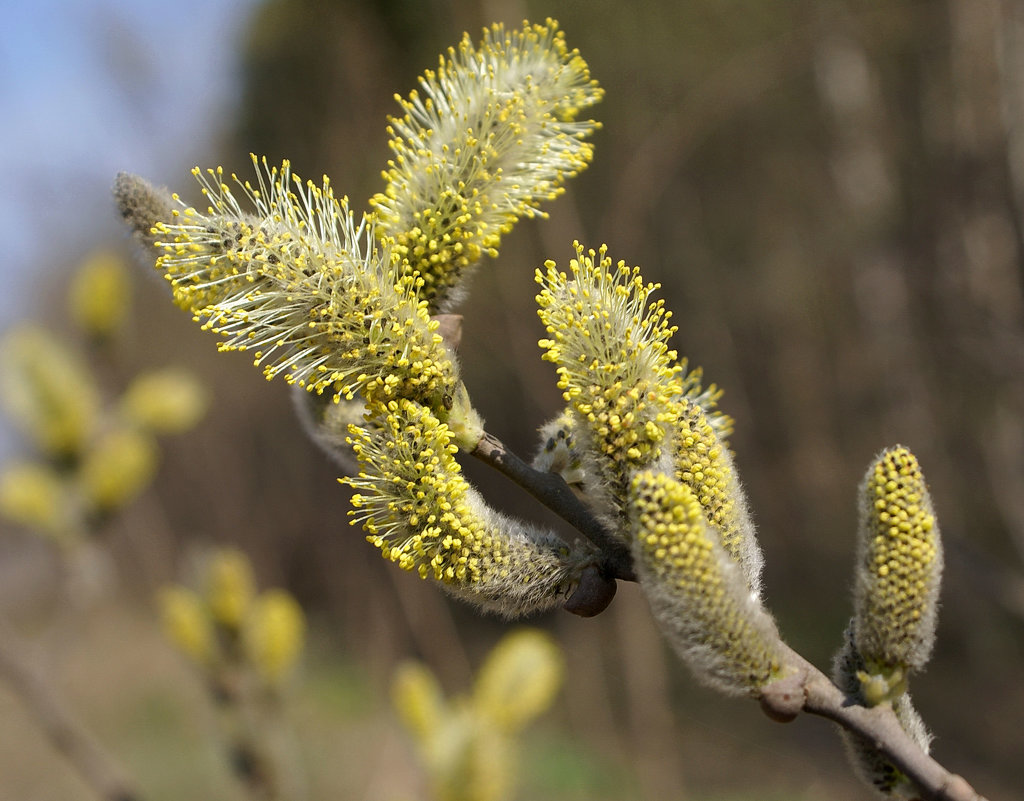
{"points": [[555, 494], [877, 725], [66, 734]]}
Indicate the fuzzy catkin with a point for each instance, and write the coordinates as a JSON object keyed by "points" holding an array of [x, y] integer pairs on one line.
{"points": [[698, 593], [417, 507], [898, 566]]}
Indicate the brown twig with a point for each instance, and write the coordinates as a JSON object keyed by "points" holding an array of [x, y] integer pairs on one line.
{"points": [[65, 733], [877, 725], [555, 494]]}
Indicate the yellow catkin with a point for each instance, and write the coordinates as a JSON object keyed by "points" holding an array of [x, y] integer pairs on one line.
{"points": [[697, 592], [417, 507], [491, 134], [899, 565]]}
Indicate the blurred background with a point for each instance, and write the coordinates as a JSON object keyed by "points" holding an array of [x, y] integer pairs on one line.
{"points": [[830, 194]]}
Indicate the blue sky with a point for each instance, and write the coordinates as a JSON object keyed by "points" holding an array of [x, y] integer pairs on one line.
{"points": [[91, 87]]}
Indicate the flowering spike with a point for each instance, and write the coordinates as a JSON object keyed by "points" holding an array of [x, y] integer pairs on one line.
{"points": [[899, 567], [305, 287], [99, 295], [117, 467], [615, 370], [273, 634], [166, 401], [492, 134], [230, 588], [39, 497], [697, 593], [417, 507], [519, 680], [187, 624]]}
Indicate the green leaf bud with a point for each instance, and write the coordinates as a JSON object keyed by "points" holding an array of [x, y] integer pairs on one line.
{"points": [[849, 672]]}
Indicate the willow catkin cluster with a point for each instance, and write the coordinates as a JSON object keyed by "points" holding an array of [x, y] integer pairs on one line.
{"points": [[417, 507], [896, 594], [703, 462], [632, 405], [491, 134]]}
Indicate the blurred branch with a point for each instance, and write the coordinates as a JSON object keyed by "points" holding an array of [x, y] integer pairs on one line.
{"points": [[65, 733]]}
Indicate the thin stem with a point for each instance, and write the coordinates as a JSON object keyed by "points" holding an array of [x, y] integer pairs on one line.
{"points": [[878, 726], [65, 733], [555, 494]]}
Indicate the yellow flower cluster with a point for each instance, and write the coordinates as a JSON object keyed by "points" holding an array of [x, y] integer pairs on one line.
{"points": [[697, 592], [305, 288], [632, 404], [614, 365], [468, 743], [48, 392], [418, 508], [899, 566], [228, 625], [99, 295], [493, 134]]}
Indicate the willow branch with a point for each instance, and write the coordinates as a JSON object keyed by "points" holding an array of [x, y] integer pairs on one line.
{"points": [[65, 733], [813, 692], [555, 494]]}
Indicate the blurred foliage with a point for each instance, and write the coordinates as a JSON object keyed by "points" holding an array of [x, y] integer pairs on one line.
{"points": [[468, 744], [830, 194], [245, 646], [91, 458]]}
